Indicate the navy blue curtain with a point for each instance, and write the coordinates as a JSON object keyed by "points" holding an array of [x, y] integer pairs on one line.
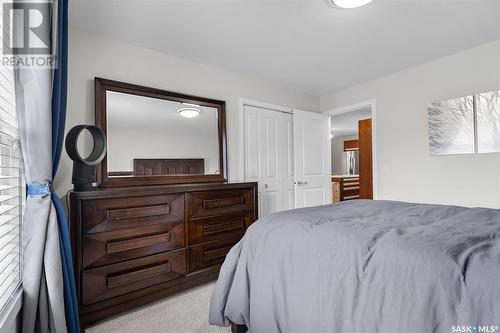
{"points": [[59, 97]]}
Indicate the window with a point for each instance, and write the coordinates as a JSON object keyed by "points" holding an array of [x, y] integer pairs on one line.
{"points": [[11, 184]]}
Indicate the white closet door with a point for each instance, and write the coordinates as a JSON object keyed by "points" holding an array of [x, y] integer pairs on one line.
{"points": [[288, 163], [269, 157], [312, 158]]}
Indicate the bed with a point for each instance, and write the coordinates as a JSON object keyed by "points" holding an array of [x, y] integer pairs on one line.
{"points": [[364, 266]]}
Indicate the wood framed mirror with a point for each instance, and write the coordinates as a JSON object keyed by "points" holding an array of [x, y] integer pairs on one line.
{"points": [[157, 137]]}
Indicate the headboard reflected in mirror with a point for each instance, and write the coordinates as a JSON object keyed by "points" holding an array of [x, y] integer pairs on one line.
{"points": [[159, 137]]}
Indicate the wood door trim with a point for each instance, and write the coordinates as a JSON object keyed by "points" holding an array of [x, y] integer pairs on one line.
{"points": [[365, 159]]}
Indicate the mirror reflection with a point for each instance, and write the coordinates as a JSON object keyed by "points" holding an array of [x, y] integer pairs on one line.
{"points": [[151, 137]]}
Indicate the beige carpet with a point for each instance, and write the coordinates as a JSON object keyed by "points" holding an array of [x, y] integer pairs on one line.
{"points": [[185, 312]]}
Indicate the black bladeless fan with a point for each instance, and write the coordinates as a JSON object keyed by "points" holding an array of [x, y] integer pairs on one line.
{"points": [[84, 169]]}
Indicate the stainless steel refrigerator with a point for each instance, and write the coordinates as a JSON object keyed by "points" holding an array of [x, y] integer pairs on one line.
{"points": [[350, 161]]}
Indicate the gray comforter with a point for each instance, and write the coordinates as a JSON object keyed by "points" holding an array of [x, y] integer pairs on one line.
{"points": [[364, 266]]}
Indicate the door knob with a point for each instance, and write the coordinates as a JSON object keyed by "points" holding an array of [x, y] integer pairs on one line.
{"points": [[266, 186]]}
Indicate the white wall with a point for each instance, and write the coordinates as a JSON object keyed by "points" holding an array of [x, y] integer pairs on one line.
{"points": [[91, 55], [406, 170]]}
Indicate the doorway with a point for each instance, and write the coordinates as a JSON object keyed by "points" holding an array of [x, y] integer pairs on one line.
{"points": [[288, 153], [353, 152]]}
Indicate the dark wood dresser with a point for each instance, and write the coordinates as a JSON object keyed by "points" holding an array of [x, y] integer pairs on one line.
{"points": [[133, 245], [348, 186]]}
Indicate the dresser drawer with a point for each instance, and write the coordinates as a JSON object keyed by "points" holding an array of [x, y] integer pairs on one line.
{"points": [[216, 228], [123, 244], [117, 279], [351, 192], [216, 203], [209, 254], [132, 212], [350, 182]]}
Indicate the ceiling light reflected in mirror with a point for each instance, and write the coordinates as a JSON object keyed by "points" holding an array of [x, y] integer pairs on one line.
{"points": [[189, 112], [349, 3]]}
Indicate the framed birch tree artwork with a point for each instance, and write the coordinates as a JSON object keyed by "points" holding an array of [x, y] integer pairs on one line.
{"points": [[465, 125], [488, 122], [451, 126]]}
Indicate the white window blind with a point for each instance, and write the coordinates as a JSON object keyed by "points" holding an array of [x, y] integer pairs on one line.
{"points": [[11, 183]]}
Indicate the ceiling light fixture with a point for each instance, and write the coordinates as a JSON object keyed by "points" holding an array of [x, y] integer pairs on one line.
{"points": [[349, 3], [189, 112]]}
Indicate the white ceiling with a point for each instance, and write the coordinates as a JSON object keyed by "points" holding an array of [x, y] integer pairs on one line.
{"points": [[346, 124], [307, 44]]}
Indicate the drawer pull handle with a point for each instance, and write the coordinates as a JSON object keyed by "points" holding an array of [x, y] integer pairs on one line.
{"points": [[126, 278], [137, 212], [210, 229], [135, 243], [218, 203], [216, 254]]}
